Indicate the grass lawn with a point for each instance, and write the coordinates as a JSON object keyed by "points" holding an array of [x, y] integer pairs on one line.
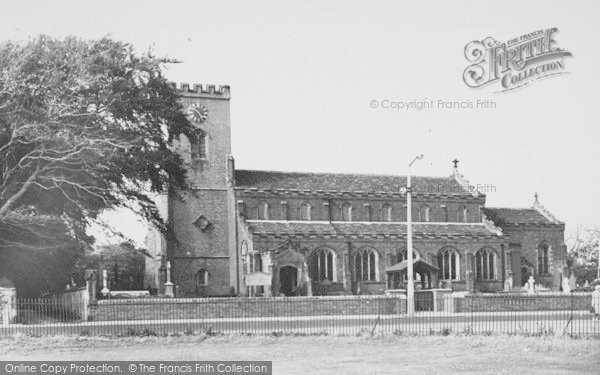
{"points": [[333, 355]]}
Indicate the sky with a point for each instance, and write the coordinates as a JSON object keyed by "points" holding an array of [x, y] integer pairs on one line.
{"points": [[304, 76]]}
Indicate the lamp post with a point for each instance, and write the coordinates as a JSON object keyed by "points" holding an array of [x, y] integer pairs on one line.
{"points": [[410, 287]]}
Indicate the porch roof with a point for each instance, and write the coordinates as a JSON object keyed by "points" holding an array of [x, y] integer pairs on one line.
{"points": [[417, 264]]}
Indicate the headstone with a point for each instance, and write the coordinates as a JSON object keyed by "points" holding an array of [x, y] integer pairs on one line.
{"points": [[573, 281], [508, 284], [530, 285], [90, 278], [105, 291], [565, 285], [596, 300], [169, 288]]}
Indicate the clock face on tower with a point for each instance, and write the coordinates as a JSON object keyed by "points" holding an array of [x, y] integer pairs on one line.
{"points": [[198, 112]]}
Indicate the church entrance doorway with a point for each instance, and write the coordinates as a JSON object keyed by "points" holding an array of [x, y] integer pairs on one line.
{"points": [[525, 273], [288, 281]]}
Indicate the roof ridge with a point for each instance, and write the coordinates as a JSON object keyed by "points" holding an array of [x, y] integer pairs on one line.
{"points": [[341, 173], [512, 208]]}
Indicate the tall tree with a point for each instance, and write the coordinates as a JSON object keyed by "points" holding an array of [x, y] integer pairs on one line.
{"points": [[85, 126], [584, 251]]}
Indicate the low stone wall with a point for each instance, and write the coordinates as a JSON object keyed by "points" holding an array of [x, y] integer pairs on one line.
{"points": [[194, 308], [368, 287], [551, 301], [70, 304], [8, 305]]}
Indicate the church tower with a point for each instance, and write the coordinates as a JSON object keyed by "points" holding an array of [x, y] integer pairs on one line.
{"points": [[202, 252]]}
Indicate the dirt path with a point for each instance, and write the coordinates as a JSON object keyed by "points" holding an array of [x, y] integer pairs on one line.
{"points": [[334, 355]]}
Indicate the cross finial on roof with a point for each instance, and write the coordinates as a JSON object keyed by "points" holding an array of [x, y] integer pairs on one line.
{"points": [[536, 196], [455, 161]]}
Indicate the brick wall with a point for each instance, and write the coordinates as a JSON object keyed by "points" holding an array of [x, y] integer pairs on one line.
{"points": [[195, 308], [525, 302]]}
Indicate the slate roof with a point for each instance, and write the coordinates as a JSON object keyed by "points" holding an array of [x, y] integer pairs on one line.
{"points": [[339, 182], [370, 230], [517, 216]]}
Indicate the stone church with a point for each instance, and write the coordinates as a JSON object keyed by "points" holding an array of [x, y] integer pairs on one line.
{"points": [[269, 233]]}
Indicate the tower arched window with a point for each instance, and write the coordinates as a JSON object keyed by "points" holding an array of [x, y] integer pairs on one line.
{"points": [[485, 264], [346, 212], [366, 265], [201, 277], [424, 213], [198, 146], [543, 259], [386, 212], [263, 211], [449, 264], [323, 265], [304, 211]]}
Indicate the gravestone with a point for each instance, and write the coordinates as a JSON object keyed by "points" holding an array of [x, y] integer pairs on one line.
{"points": [[565, 285], [508, 284], [531, 285], [572, 281], [91, 278], [596, 300]]}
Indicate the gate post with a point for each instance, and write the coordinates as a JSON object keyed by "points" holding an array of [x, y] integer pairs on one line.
{"points": [[8, 305]]}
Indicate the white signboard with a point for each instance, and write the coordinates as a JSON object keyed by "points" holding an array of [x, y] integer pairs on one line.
{"points": [[258, 279]]}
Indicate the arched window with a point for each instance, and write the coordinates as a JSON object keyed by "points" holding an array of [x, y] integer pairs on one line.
{"points": [[386, 212], [366, 265], [198, 146], [462, 215], [323, 265], [449, 264], [485, 264], [263, 211], [424, 213], [542, 259], [304, 211], [346, 212], [201, 277]]}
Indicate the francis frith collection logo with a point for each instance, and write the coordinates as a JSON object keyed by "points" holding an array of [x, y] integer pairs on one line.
{"points": [[515, 63]]}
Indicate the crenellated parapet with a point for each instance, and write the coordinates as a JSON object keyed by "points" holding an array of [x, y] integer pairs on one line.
{"points": [[202, 91]]}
